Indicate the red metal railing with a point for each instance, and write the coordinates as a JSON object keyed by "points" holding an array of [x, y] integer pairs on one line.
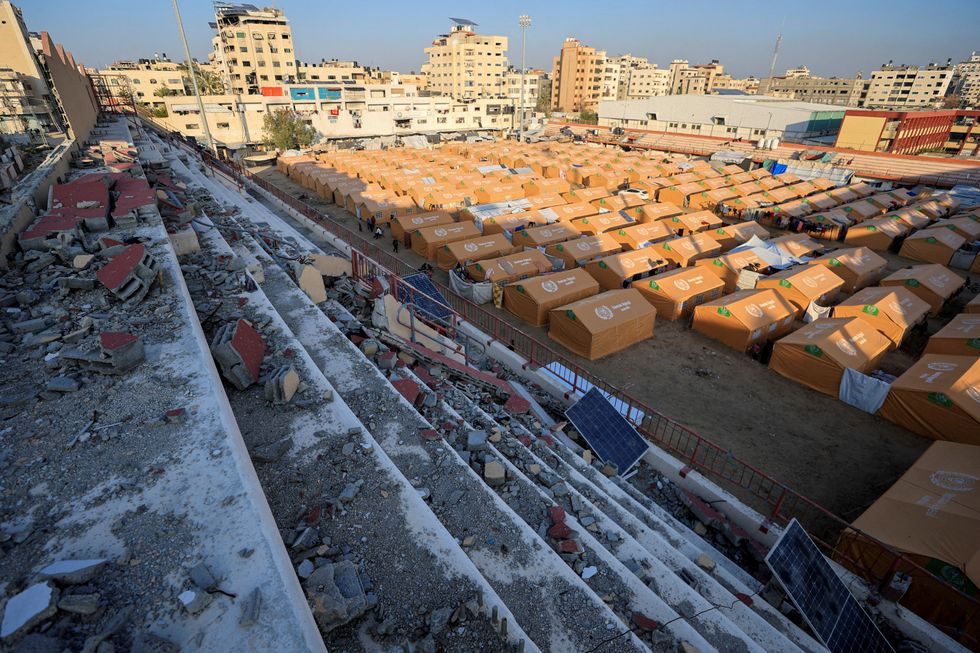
{"points": [[876, 561]]}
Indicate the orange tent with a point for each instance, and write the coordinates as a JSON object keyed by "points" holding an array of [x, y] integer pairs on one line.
{"points": [[709, 199], [512, 267], [613, 272], [857, 266], [582, 250], [684, 251], [678, 195], [604, 324], [803, 285], [690, 223], [545, 200], [611, 203], [641, 235], [932, 283], [728, 267], [532, 299], [797, 245], [935, 245], [973, 306], [427, 241], [893, 310], [913, 218], [744, 318], [938, 398], [603, 222], [409, 223], [817, 354], [654, 211], [569, 212], [878, 234], [961, 337], [675, 293], [963, 226], [543, 236], [472, 249], [733, 235], [585, 195], [512, 221]]}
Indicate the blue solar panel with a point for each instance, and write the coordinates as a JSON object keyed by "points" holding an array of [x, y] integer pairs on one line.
{"points": [[821, 596], [428, 300], [608, 433]]}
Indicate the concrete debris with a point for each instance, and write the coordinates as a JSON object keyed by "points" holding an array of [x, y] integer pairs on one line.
{"points": [[311, 281], [82, 261], [282, 385], [152, 643], [80, 603], [239, 350], [73, 572], [494, 473], [251, 608], [336, 595], [194, 601], [27, 609], [269, 453], [202, 577], [130, 274]]}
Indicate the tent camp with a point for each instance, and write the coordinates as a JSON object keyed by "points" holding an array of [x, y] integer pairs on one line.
{"points": [[877, 234], [472, 249], [728, 266], [684, 251], [505, 269], [427, 241], [932, 515], [617, 270], [913, 218], [709, 199], [797, 245], [654, 211], [544, 236], [601, 325], [803, 285], [932, 283], [745, 318], [512, 221], [817, 354], [967, 228], [582, 250], [733, 235], [641, 235], [532, 299], [960, 337], [893, 310], [675, 293], [937, 398], [603, 222], [857, 266], [678, 194], [829, 224], [689, 223], [934, 245], [409, 223], [569, 212]]}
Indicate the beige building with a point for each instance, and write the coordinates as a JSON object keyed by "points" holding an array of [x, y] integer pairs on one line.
{"points": [[649, 81], [464, 64], [331, 70], [146, 78], [576, 77], [841, 91], [968, 80], [253, 48], [532, 86], [908, 87]]}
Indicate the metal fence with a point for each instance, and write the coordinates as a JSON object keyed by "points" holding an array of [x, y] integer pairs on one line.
{"points": [[876, 561]]}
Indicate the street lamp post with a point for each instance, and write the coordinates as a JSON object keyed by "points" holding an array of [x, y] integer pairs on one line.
{"points": [[525, 22], [191, 73]]}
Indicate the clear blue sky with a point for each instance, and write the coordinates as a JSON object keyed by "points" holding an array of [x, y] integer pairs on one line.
{"points": [[832, 37]]}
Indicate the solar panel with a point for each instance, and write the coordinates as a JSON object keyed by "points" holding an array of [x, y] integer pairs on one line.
{"points": [[427, 300], [608, 433], [463, 21], [823, 599]]}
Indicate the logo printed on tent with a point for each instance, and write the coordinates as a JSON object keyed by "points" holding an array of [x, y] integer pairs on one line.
{"points": [[754, 310], [549, 286], [604, 312]]}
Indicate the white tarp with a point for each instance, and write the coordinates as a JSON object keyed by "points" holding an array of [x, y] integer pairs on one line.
{"points": [[478, 293], [770, 253], [862, 391], [481, 212], [814, 312]]}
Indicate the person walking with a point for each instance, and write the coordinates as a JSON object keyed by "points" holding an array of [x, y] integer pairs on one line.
{"points": [[394, 245], [378, 233]]}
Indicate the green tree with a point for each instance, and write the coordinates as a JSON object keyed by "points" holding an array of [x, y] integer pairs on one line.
{"points": [[160, 111], [208, 81], [543, 104], [164, 91], [285, 130], [588, 117]]}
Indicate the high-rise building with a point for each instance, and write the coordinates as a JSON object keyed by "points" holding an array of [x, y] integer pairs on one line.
{"points": [[253, 47], [577, 77], [968, 80], [464, 64], [908, 87], [842, 91]]}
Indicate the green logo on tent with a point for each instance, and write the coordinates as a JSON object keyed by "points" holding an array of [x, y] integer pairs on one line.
{"points": [[931, 240], [638, 210], [667, 247], [675, 219], [560, 247], [870, 309], [813, 349], [872, 228], [847, 209], [585, 221], [912, 283], [655, 285], [785, 284], [721, 232], [602, 201], [974, 342], [570, 315], [520, 289], [621, 232], [951, 227], [718, 262], [602, 265], [724, 311], [940, 399], [835, 262], [479, 267]]}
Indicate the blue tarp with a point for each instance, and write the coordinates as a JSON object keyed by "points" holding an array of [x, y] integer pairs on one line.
{"points": [[778, 168]]}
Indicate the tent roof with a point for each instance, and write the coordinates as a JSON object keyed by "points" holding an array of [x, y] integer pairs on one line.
{"points": [[681, 283], [609, 309], [964, 326], [857, 259], [947, 237], [933, 510], [756, 308], [957, 377], [556, 285], [937, 278], [900, 305], [627, 264], [811, 280], [848, 341]]}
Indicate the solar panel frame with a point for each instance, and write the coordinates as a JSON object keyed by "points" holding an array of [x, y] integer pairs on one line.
{"points": [[821, 597], [427, 299], [607, 432]]}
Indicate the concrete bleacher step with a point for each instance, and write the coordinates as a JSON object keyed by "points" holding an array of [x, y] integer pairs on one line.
{"points": [[557, 610], [344, 479], [673, 576]]}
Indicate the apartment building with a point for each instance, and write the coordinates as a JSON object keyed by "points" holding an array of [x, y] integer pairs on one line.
{"points": [[647, 81], [464, 64], [331, 70], [577, 77], [911, 132], [146, 78], [532, 86], [253, 47], [804, 87], [908, 87], [968, 81]]}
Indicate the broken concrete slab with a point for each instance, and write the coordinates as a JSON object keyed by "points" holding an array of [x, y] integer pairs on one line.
{"points": [[27, 609], [73, 572], [130, 274], [335, 594], [239, 350], [310, 281], [282, 385]]}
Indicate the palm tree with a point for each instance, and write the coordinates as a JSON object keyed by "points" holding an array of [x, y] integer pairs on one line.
{"points": [[208, 81]]}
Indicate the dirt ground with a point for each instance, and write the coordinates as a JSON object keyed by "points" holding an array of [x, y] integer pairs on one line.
{"points": [[830, 452]]}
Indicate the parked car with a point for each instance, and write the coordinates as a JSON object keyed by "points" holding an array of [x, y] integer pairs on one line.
{"points": [[636, 192]]}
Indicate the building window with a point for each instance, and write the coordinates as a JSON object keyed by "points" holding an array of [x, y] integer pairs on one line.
{"points": [[223, 125], [460, 120], [153, 81], [240, 35], [191, 125]]}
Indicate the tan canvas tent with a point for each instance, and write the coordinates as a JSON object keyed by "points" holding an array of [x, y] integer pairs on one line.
{"points": [[960, 337], [604, 324], [932, 515], [513, 221], [684, 251], [603, 222], [893, 310], [472, 249], [965, 227], [675, 293], [857, 266], [582, 250], [745, 318], [641, 235], [973, 306], [512, 267], [797, 245], [817, 354], [877, 234], [569, 212], [803, 285], [728, 266], [654, 211], [545, 235], [614, 271], [914, 218], [690, 223], [932, 283], [733, 235], [938, 397], [427, 241], [935, 245], [532, 299], [409, 223]]}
